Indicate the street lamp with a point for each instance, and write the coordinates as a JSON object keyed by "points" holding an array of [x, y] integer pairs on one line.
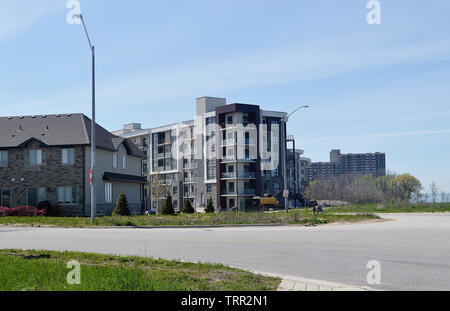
{"points": [[284, 140], [93, 143]]}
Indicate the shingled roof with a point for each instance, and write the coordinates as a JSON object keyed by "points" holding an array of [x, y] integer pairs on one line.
{"points": [[59, 130]]}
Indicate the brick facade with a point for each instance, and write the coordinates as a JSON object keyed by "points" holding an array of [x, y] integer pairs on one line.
{"points": [[50, 175]]}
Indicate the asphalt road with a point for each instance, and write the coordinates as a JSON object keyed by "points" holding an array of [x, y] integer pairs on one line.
{"points": [[413, 249]]}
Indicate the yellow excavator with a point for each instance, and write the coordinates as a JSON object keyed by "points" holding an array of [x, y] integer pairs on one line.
{"points": [[274, 202]]}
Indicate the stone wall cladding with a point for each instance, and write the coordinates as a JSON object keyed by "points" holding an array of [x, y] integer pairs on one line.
{"points": [[50, 175]]}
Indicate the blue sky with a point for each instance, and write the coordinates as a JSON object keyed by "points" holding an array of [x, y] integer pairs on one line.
{"points": [[370, 87]]}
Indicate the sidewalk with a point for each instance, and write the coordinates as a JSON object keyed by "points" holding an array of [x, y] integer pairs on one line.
{"points": [[298, 284]]}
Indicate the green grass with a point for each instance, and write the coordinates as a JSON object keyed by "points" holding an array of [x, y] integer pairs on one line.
{"points": [[293, 217], [47, 271], [392, 208]]}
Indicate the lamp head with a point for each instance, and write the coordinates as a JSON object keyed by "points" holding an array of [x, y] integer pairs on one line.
{"points": [[79, 16]]}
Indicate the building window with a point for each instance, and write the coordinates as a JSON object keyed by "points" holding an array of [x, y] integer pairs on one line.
{"points": [[5, 197], [124, 162], [114, 160], [209, 188], [230, 120], [3, 158], [145, 168], [108, 193], [67, 195], [231, 187], [68, 156], [175, 190], [35, 157], [35, 196]]}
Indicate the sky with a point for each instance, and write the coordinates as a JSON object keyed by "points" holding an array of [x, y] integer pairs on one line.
{"points": [[370, 87]]}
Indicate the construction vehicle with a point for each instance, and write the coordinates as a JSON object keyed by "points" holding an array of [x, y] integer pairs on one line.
{"points": [[275, 202]]}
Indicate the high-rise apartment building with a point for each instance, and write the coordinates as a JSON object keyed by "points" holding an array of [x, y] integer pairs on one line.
{"points": [[349, 164], [228, 153]]}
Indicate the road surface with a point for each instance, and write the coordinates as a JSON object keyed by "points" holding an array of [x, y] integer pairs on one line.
{"points": [[413, 249]]}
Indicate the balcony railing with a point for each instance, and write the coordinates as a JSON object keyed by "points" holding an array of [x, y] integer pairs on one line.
{"points": [[233, 159], [191, 165], [191, 180], [165, 155], [242, 175], [240, 192], [240, 141]]}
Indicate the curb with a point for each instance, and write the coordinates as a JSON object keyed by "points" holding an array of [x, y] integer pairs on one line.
{"points": [[299, 284], [152, 227]]}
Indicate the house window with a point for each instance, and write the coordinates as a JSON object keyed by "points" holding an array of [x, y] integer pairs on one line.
{"points": [[67, 195], [5, 197], [114, 160], [35, 196], [175, 190], [124, 162], [35, 157], [230, 120], [68, 156], [108, 192], [3, 158]]}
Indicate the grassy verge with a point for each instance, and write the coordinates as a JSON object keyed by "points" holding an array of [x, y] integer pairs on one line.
{"points": [[293, 217], [392, 208], [47, 271]]}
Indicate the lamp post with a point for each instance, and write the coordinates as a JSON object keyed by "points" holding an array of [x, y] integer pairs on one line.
{"points": [[284, 140], [93, 142]]}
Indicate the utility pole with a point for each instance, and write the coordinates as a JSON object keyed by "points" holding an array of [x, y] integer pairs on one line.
{"points": [[93, 141], [284, 149]]}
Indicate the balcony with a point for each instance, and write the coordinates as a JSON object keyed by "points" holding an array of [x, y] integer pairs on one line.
{"points": [[230, 159], [190, 165], [166, 155], [239, 175], [240, 141], [250, 192], [189, 195], [190, 180]]}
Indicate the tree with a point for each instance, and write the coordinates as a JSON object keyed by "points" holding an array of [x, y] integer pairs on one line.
{"points": [[404, 186], [210, 206], [434, 191], [188, 209], [122, 208], [168, 206], [158, 186]]}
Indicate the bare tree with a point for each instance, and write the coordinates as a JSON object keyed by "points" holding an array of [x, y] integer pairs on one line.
{"points": [[158, 186], [434, 191]]}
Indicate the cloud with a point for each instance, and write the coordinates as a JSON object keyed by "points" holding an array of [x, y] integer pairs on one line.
{"points": [[378, 135], [309, 62], [17, 16]]}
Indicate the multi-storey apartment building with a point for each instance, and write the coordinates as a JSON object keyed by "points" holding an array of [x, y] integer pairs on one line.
{"points": [[297, 170], [47, 158], [229, 153], [349, 164]]}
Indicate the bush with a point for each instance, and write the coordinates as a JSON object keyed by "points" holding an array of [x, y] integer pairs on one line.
{"points": [[168, 206], [188, 209], [210, 207], [122, 208]]}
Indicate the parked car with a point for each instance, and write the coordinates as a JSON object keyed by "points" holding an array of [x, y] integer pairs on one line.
{"points": [[150, 212], [4, 211], [25, 211]]}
